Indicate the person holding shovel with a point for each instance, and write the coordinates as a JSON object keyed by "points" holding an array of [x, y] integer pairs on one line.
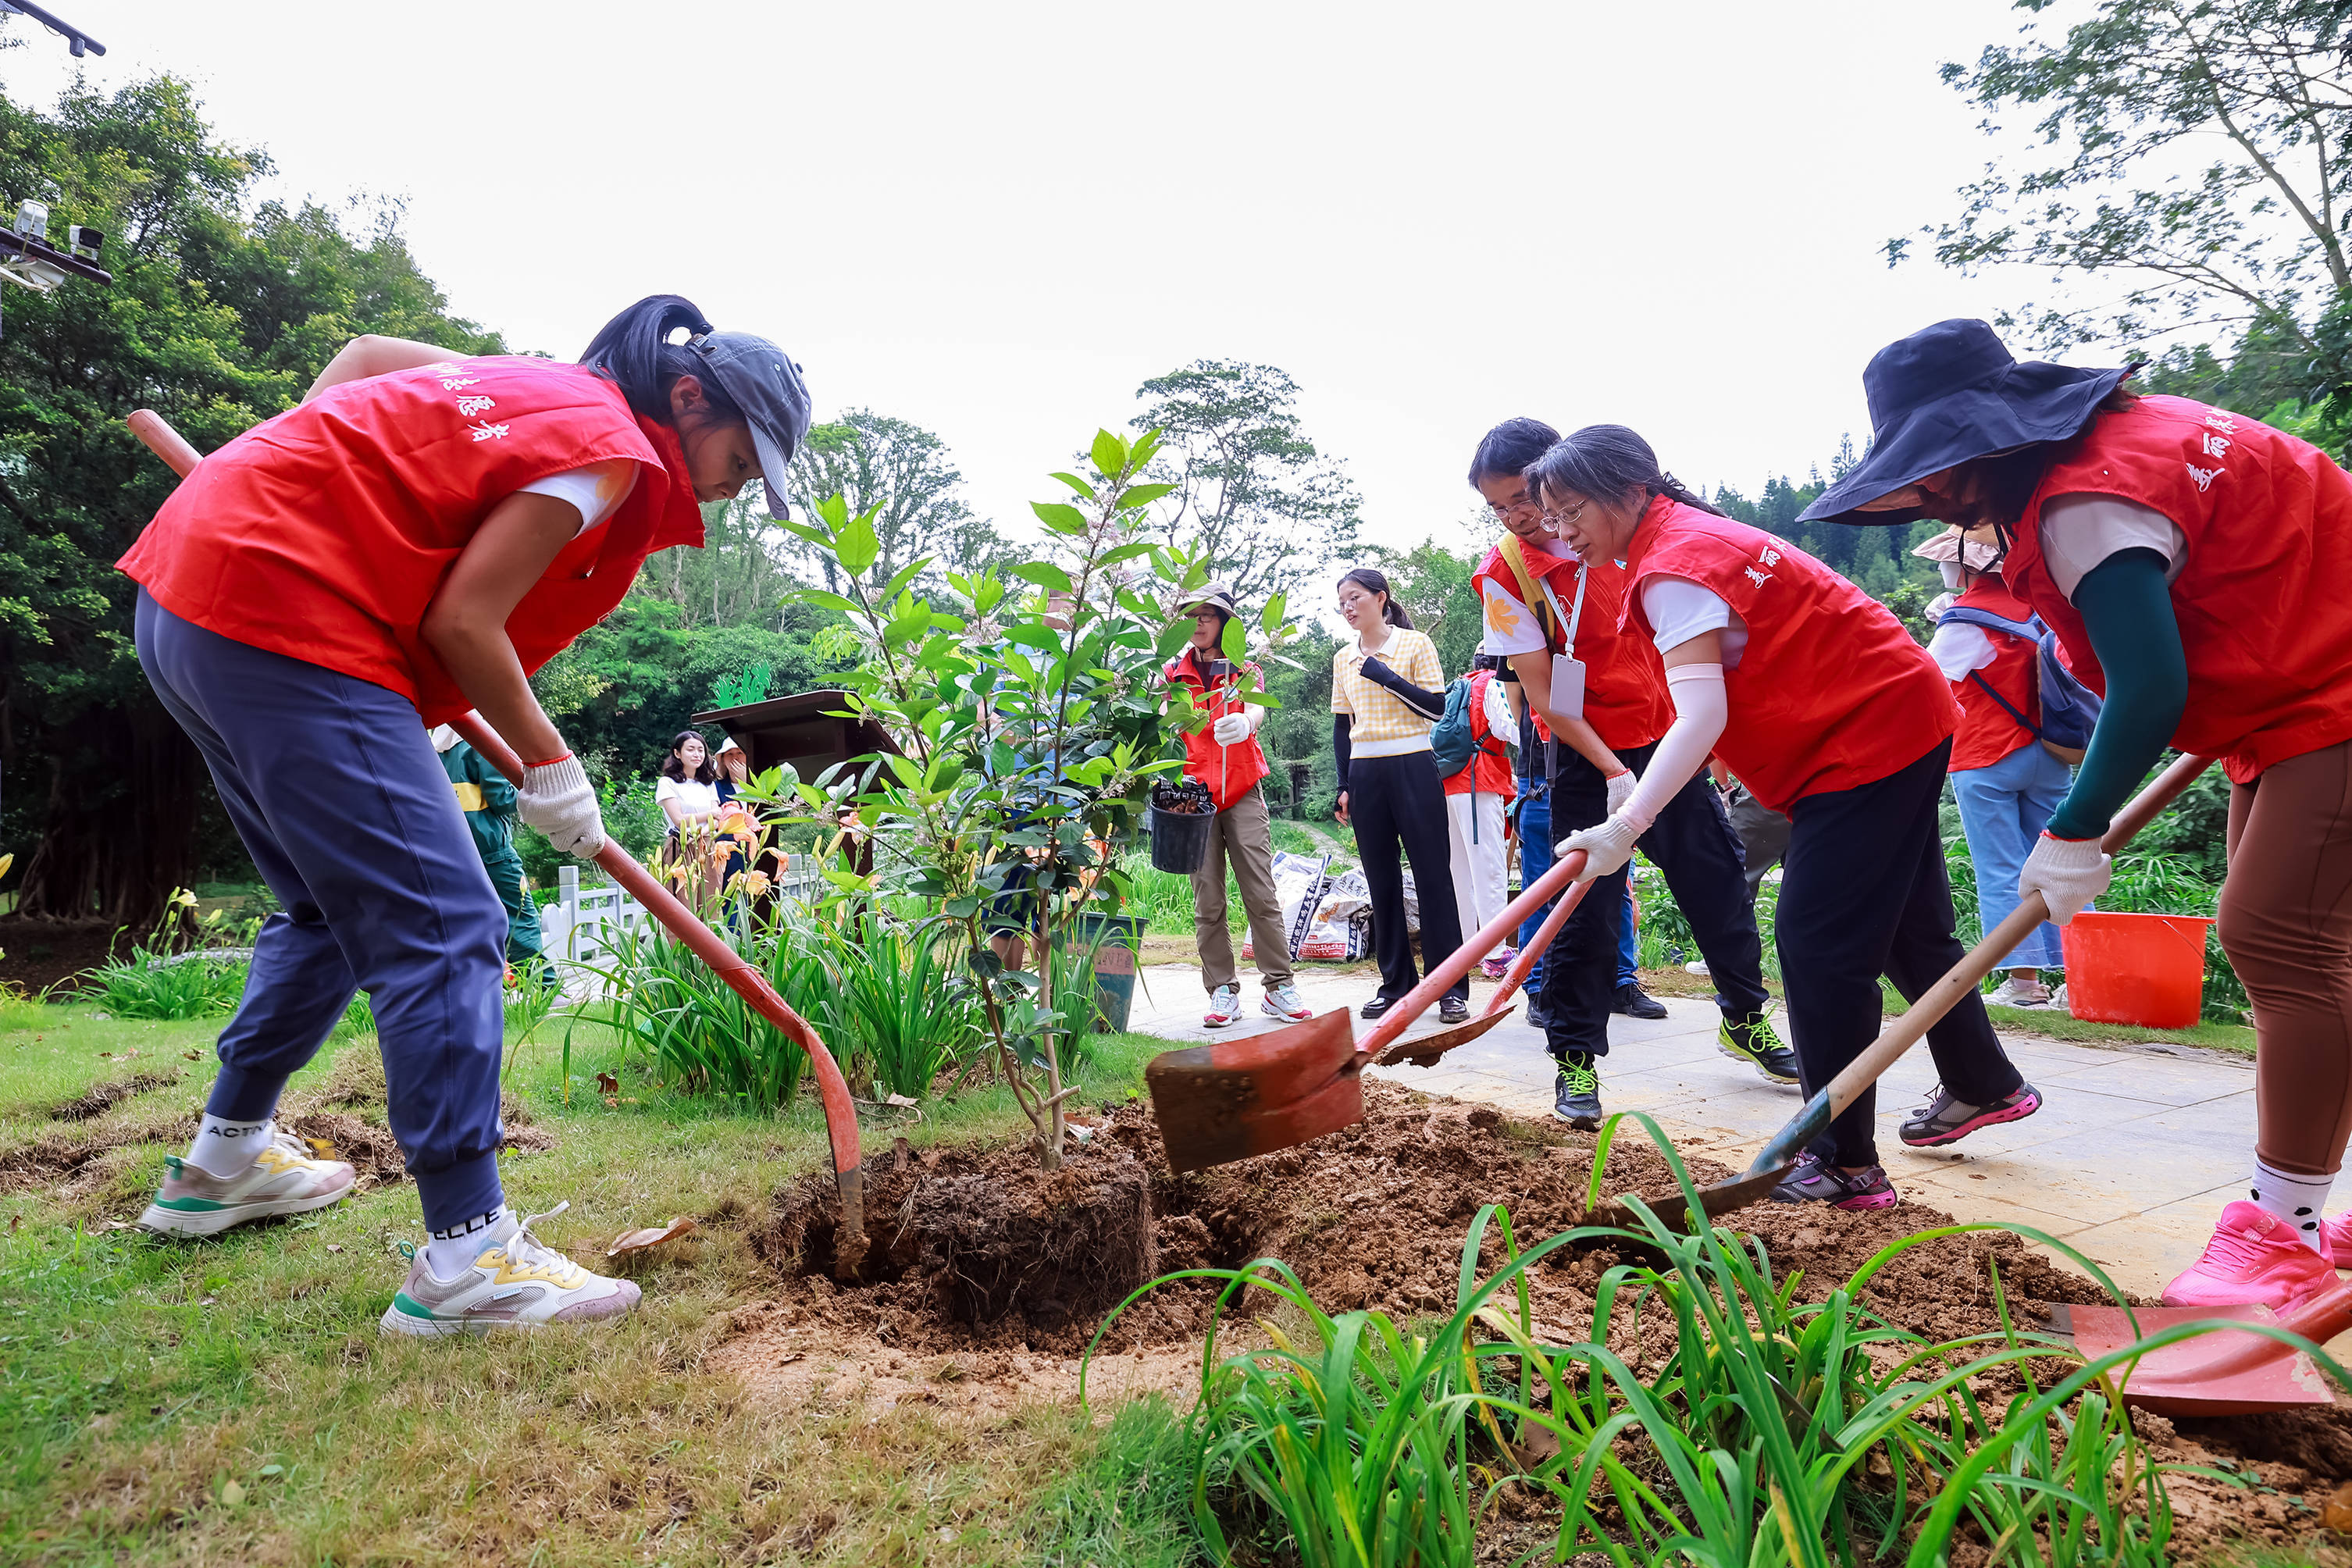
{"points": [[1813, 693], [1224, 755], [2191, 561], [411, 541], [1544, 608]]}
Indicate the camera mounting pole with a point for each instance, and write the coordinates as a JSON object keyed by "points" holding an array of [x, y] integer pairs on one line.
{"points": [[76, 39]]}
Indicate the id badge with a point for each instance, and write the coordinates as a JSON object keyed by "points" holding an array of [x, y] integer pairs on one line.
{"points": [[1567, 686]]}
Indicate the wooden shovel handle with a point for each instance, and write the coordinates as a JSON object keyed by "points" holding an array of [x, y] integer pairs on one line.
{"points": [[1965, 976]]}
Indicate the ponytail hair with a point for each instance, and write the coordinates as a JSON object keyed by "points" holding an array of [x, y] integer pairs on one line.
{"points": [[1607, 463], [633, 352], [1372, 582]]}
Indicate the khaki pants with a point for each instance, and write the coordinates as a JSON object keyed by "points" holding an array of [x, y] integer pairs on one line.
{"points": [[1244, 832]]}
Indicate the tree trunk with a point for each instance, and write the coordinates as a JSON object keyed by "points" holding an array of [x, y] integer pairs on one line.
{"points": [[120, 831]]}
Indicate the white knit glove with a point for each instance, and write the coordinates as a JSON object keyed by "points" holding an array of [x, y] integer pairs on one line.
{"points": [[1621, 789], [2067, 872], [1606, 847], [1231, 729], [557, 799]]}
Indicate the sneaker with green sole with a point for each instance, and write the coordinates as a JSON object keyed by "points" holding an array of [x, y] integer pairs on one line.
{"points": [[283, 1179], [516, 1281], [1754, 1041]]}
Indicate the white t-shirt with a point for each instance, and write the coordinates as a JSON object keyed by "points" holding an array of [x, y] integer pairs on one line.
{"points": [[597, 490], [1958, 649], [2079, 532], [693, 796], [1498, 713], [1680, 610], [1511, 627]]}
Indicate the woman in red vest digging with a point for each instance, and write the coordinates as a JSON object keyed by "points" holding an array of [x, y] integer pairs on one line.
{"points": [[1817, 697], [411, 541], [1225, 756], [2192, 564], [2004, 780]]}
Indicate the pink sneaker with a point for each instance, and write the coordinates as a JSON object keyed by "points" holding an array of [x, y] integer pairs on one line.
{"points": [[2338, 1236], [2253, 1259]]}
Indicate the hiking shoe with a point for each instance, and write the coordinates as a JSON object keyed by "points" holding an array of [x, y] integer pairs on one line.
{"points": [[1452, 1010], [1576, 1092], [1225, 1006], [282, 1179], [1815, 1183], [2254, 1258], [516, 1281], [1699, 966], [1376, 1007], [1944, 1120], [1753, 1040], [1635, 1003], [1284, 1001], [2010, 993], [1493, 968]]}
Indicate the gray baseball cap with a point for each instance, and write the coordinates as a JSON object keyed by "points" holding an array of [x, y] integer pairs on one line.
{"points": [[764, 382]]}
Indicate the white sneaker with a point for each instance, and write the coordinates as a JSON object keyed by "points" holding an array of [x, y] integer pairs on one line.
{"points": [[516, 1281], [282, 1179], [1225, 1006], [2011, 993], [1285, 1001], [1696, 966]]}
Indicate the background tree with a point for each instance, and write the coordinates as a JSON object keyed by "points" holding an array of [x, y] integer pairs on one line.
{"points": [[1251, 489], [903, 474], [1433, 584], [218, 317]]}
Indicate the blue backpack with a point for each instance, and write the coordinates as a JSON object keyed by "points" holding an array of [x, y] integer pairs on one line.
{"points": [[2069, 709], [1452, 737]]}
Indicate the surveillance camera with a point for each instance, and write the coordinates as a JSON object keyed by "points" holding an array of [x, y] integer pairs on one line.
{"points": [[86, 241], [33, 218]]}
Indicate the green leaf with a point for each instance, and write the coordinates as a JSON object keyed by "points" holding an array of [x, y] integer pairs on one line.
{"points": [[904, 575], [1146, 447], [855, 544], [1174, 637], [1126, 553], [1059, 516], [835, 509], [1270, 619], [1045, 574], [1029, 634], [1109, 455], [1236, 641], [1077, 484], [1141, 495], [830, 601]]}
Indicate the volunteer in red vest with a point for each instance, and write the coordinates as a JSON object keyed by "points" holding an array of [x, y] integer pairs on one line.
{"points": [[2193, 562], [1475, 796], [1223, 755], [1817, 697], [1541, 604], [2006, 782], [411, 541]]}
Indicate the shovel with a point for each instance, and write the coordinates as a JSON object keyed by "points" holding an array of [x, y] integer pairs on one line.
{"points": [[1236, 1098], [1779, 1156], [2219, 1372], [840, 1113]]}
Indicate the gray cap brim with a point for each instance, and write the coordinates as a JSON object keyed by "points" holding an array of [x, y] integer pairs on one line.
{"points": [[774, 466]]}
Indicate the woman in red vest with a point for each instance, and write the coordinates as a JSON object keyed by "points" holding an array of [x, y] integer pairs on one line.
{"points": [[2192, 564], [2005, 782], [1817, 697], [413, 541]]}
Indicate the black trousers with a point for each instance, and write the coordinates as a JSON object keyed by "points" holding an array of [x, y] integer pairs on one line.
{"points": [[1693, 844], [1862, 893], [1398, 808]]}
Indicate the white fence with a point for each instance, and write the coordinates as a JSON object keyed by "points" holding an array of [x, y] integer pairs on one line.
{"points": [[583, 925]]}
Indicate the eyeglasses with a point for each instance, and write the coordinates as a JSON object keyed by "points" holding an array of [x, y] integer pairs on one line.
{"points": [[1556, 521]]}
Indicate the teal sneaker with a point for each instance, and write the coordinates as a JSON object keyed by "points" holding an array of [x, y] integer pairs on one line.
{"points": [[282, 1179]]}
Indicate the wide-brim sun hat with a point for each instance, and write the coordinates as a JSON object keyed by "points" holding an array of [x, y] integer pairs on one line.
{"points": [[1950, 393], [1210, 596], [1973, 548]]}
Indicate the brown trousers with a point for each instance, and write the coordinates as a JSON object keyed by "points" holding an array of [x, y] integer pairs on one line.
{"points": [[1243, 832], [2286, 924]]}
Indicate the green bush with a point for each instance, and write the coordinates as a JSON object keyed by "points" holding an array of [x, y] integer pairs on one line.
{"points": [[902, 1002], [150, 984]]}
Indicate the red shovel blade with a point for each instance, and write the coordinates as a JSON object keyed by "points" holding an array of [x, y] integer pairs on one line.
{"points": [[1239, 1097], [2218, 1373]]}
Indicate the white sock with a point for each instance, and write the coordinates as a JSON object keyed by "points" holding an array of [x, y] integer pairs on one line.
{"points": [[226, 1149], [2298, 1200], [450, 1253]]}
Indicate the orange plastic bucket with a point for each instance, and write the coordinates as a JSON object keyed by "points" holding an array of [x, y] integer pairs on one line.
{"points": [[2147, 970]]}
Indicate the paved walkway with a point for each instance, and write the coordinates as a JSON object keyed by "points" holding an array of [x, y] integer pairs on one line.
{"points": [[2130, 1159]]}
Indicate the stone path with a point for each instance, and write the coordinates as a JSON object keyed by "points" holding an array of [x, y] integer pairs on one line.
{"points": [[2130, 1159]]}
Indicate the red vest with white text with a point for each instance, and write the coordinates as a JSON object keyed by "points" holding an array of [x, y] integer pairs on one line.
{"points": [[2265, 620], [324, 533], [1230, 771], [1987, 732], [1831, 693], [1625, 697], [1488, 771]]}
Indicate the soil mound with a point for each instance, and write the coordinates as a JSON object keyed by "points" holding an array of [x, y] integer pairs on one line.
{"points": [[101, 1097]]}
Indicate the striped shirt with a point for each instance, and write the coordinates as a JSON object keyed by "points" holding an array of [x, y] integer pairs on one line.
{"points": [[1380, 724]]}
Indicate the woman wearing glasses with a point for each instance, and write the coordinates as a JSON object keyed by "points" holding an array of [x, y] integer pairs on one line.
{"points": [[2193, 562], [1818, 699]]}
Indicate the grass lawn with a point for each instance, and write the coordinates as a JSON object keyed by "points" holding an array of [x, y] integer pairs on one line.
{"points": [[231, 1401]]}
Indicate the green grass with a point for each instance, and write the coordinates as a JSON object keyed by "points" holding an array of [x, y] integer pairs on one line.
{"points": [[139, 1379]]}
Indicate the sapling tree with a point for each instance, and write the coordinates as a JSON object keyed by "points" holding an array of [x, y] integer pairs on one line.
{"points": [[1025, 712]]}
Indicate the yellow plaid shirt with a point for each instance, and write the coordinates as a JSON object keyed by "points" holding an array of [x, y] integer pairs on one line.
{"points": [[1380, 724]]}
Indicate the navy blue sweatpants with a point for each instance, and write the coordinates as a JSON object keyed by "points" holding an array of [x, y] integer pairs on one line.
{"points": [[334, 787]]}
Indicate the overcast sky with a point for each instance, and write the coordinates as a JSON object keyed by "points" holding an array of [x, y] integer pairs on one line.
{"points": [[996, 221]]}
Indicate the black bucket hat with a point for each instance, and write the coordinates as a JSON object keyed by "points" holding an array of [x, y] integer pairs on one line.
{"points": [[1950, 393]]}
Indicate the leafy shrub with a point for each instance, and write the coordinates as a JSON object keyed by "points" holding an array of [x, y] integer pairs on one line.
{"points": [[176, 986], [902, 1001]]}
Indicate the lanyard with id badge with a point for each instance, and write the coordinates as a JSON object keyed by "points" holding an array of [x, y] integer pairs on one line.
{"points": [[1567, 670]]}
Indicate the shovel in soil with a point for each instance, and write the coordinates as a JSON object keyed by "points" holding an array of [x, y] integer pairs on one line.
{"points": [[2219, 1372], [1236, 1098], [1780, 1156], [840, 1114]]}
